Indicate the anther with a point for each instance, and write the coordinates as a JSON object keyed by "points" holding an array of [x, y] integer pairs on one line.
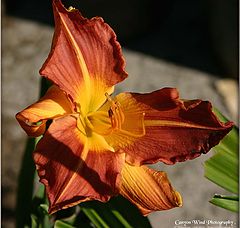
{"points": [[115, 113], [108, 97], [71, 9]]}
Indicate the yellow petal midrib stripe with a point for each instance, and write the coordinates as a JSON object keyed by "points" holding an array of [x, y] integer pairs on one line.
{"points": [[173, 123], [82, 63]]}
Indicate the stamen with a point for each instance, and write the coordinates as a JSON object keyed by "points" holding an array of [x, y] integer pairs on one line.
{"points": [[115, 113], [108, 97], [78, 108], [71, 9], [82, 123], [88, 123]]}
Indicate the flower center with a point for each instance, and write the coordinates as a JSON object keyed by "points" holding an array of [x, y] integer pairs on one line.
{"points": [[101, 122]]}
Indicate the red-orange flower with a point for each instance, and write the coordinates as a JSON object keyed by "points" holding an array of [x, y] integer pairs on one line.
{"points": [[97, 145]]}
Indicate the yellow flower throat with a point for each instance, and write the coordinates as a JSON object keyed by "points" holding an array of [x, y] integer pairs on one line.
{"points": [[101, 122]]}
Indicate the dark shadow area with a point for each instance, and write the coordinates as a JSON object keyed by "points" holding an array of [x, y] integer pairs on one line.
{"points": [[199, 34], [195, 35], [58, 162]]}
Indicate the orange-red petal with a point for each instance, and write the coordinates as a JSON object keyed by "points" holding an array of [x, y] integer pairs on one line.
{"points": [[148, 189], [53, 104], [70, 170], [175, 130], [86, 59]]}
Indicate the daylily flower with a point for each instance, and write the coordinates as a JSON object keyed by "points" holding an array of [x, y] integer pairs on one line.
{"points": [[97, 145]]}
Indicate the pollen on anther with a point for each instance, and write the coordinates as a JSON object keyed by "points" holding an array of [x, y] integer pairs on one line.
{"points": [[70, 9], [108, 97]]}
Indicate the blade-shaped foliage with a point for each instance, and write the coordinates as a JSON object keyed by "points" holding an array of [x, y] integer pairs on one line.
{"points": [[222, 168], [62, 224], [227, 202], [118, 212], [25, 185]]}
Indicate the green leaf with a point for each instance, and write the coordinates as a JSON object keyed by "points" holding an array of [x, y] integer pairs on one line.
{"points": [[26, 176], [222, 168], [40, 193], [45, 84], [226, 202], [118, 212], [25, 186], [62, 224], [129, 212], [96, 219], [44, 208], [230, 141], [26, 203], [34, 223], [70, 220]]}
